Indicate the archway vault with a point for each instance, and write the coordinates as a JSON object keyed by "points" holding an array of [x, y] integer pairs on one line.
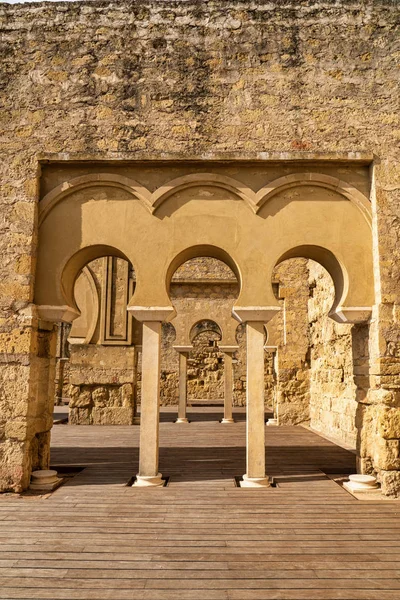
{"points": [[215, 213]]}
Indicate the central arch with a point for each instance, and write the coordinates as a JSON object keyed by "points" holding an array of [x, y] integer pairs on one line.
{"points": [[202, 250]]}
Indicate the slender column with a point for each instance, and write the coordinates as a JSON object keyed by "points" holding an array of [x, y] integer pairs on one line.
{"points": [[255, 423], [150, 406], [183, 352], [228, 382], [183, 356]]}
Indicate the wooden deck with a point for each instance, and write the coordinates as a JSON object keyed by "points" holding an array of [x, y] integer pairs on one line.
{"points": [[200, 538]]}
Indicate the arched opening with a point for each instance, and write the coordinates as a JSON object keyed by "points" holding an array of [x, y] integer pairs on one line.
{"points": [[209, 269], [203, 289], [316, 380], [97, 354], [331, 264], [76, 263]]}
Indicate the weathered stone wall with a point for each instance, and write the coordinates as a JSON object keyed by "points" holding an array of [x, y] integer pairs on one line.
{"points": [[289, 331], [104, 79], [102, 385], [332, 388]]}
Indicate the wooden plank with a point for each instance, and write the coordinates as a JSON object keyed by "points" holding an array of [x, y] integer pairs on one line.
{"points": [[201, 538]]}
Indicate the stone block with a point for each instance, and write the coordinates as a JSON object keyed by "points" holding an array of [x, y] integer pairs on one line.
{"points": [[80, 416], [390, 483], [386, 454], [108, 357], [97, 375], [81, 400], [127, 396], [17, 430], [112, 416], [100, 396], [388, 423]]}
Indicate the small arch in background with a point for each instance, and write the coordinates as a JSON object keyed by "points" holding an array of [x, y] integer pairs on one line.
{"points": [[205, 326]]}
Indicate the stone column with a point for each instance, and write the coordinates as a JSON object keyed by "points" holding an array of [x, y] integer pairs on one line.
{"points": [[255, 424], [183, 352], [152, 318], [150, 406], [228, 382]]}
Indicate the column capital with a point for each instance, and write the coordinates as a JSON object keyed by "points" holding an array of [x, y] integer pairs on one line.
{"points": [[152, 313], [183, 349], [260, 314], [352, 314], [55, 314], [228, 349]]}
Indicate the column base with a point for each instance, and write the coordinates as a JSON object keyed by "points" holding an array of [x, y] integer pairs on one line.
{"points": [[255, 482], [227, 420], [148, 481], [361, 484], [45, 480], [181, 420]]}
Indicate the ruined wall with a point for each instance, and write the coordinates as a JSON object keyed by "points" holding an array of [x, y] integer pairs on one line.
{"points": [[102, 385], [332, 388], [289, 331], [105, 79]]}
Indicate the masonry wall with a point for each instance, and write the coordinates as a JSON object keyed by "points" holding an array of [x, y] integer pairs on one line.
{"points": [[332, 388], [102, 383], [112, 79], [289, 332]]}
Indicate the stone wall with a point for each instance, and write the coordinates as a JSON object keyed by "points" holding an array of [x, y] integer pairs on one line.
{"points": [[289, 332], [112, 80], [332, 388], [102, 385]]}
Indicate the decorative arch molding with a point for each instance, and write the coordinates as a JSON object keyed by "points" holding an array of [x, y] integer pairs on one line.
{"points": [[152, 201], [267, 192], [66, 188], [234, 186]]}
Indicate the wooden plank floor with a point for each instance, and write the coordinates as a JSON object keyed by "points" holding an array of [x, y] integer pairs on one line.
{"points": [[200, 538]]}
